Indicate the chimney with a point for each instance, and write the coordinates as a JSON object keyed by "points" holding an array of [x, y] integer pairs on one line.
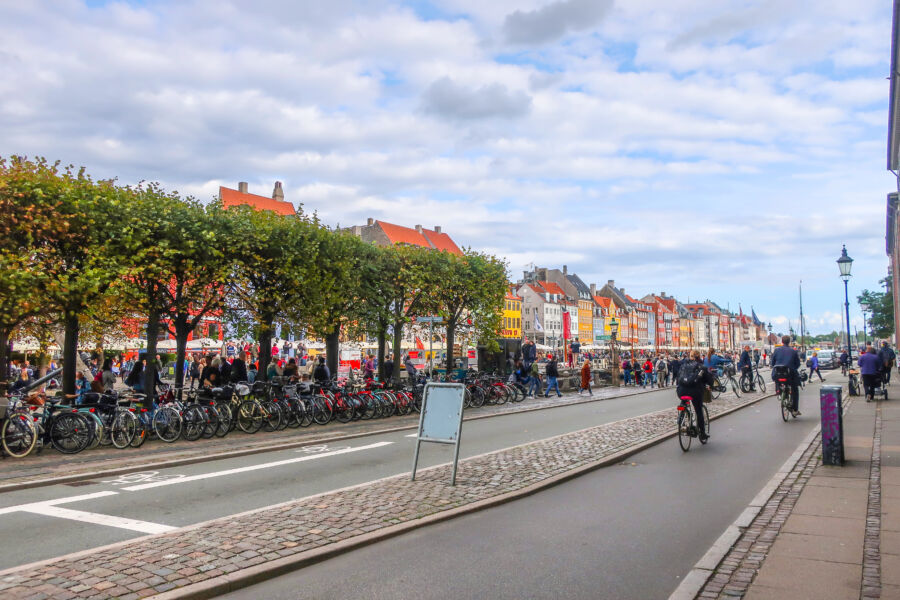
{"points": [[278, 193], [419, 228], [565, 270], [437, 228], [370, 221], [242, 187], [593, 289], [611, 283]]}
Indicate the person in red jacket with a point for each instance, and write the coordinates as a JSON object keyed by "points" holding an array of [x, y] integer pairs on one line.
{"points": [[648, 373]]}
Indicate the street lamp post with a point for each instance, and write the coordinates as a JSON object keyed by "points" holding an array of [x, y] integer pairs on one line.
{"points": [[614, 359], [864, 308], [844, 264]]}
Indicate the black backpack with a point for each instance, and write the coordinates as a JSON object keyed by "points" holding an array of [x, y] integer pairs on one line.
{"points": [[690, 373]]}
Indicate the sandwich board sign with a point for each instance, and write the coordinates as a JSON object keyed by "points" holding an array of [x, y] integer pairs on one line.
{"points": [[440, 421]]}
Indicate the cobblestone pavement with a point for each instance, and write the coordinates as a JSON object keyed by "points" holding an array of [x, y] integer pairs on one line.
{"points": [[156, 564], [871, 577], [49, 463], [735, 573]]}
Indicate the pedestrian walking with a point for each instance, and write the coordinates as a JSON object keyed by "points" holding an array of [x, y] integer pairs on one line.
{"points": [[887, 357], [662, 372], [626, 369], [586, 378], [814, 367], [534, 382], [552, 377], [648, 373]]}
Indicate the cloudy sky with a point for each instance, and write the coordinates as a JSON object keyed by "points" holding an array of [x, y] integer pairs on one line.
{"points": [[706, 149]]}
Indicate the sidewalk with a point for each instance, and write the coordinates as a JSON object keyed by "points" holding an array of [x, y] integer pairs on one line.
{"points": [[51, 467], [825, 531], [211, 558]]}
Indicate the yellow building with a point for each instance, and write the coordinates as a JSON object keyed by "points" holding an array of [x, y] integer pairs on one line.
{"points": [[585, 321], [511, 327]]}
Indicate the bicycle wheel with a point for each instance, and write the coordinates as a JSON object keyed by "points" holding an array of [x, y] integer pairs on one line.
{"points": [[250, 416], [144, 427], [321, 411], [734, 386], [785, 398], [760, 383], [685, 426], [70, 433], [502, 394], [705, 425], [745, 383], [195, 422], [716, 388], [167, 424], [226, 420], [212, 421], [477, 397], [124, 427], [18, 436]]}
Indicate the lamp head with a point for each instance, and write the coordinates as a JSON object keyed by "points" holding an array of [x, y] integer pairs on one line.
{"points": [[844, 264]]}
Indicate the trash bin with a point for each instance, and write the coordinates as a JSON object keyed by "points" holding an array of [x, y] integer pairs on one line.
{"points": [[831, 405]]}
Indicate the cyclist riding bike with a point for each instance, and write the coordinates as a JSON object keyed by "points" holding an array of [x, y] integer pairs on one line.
{"points": [[788, 360], [693, 378], [746, 365], [845, 362]]}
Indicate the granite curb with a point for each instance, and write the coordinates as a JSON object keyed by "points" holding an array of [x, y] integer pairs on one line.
{"points": [[276, 446]]}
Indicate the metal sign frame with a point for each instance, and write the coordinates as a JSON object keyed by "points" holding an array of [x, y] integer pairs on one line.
{"points": [[454, 437]]}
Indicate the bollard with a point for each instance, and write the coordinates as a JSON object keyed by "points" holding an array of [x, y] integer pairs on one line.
{"points": [[831, 405]]}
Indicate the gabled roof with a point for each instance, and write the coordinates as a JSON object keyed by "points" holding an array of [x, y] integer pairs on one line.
{"points": [[584, 290], [603, 301], [232, 197], [398, 234], [550, 287], [511, 296]]}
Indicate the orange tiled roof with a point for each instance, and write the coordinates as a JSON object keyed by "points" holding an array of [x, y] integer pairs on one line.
{"points": [[551, 288], [397, 234], [232, 197], [442, 241], [511, 296], [604, 302]]}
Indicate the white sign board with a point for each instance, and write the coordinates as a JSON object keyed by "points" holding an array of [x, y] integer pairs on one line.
{"points": [[441, 419]]}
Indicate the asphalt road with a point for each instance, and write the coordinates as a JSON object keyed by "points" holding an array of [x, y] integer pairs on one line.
{"points": [[628, 531], [119, 508]]}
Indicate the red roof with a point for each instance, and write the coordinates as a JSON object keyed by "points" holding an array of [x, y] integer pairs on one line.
{"points": [[232, 197], [602, 301], [397, 234], [550, 287]]}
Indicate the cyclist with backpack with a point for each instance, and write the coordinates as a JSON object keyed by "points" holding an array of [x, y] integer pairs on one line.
{"points": [[786, 360], [693, 379], [746, 366]]}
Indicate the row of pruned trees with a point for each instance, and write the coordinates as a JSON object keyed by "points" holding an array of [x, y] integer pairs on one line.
{"points": [[78, 254]]}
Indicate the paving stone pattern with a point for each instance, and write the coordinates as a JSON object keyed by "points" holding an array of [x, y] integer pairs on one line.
{"points": [[871, 578], [50, 463], [159, 563]]}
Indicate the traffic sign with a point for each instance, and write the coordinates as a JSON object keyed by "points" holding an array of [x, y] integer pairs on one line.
{"points": [[429, 319]]}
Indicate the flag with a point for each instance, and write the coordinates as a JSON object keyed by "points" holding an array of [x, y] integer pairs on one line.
{"points": [[756, 320], [537, 324], [419, 344]]}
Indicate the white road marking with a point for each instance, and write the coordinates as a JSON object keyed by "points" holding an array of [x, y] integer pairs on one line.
{"points": [[98, 519], [411, 435], [66, 500], [278, 463]]}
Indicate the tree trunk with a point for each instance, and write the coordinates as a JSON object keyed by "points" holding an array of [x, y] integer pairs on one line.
{"points": [[4, 362], [398, 364], [382, 334], [265, 349], [451, 333], [150, 370], [332, 349], [70, 352], [182, 331]]}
